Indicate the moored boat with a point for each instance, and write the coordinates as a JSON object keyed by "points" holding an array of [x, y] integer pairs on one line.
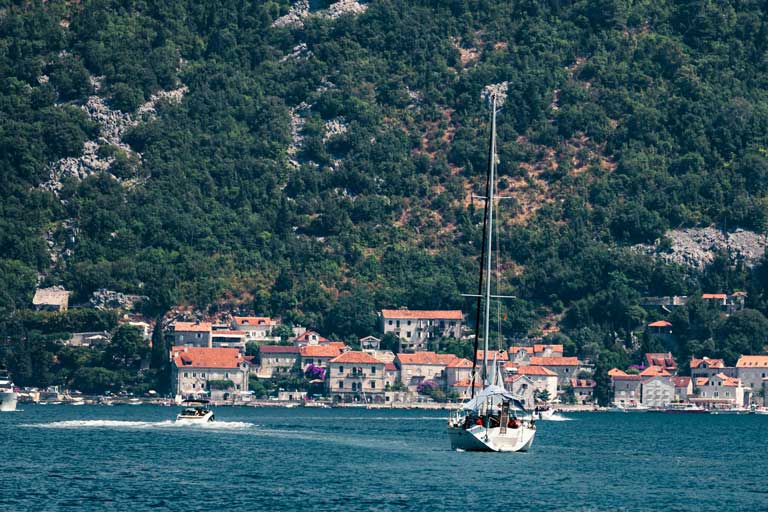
{"points": [[685, 407]]}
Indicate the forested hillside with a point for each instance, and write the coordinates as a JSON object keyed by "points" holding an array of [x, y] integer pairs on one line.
{"points": [[324, 168]]}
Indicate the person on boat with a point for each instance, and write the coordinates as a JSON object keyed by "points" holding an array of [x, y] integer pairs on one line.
{"points": [[513, 423]]}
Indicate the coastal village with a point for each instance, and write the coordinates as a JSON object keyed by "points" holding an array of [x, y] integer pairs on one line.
{"points": [[226, 357]]}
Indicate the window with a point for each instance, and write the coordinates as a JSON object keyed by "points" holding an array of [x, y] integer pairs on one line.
{"points": [[341, 384], [199, 335], [202, 375], [354, 386], [226, 375], [398, 323], [373, 384], [373, 370], [341, 369], [194, 374], [193, 386], [390, 322], [407, 334], [408, 323], [186, 374]]}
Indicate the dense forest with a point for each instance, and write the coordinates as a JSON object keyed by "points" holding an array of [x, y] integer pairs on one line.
{"points": [[624, 119]]}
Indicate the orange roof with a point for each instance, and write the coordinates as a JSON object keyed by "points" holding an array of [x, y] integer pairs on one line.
{"points": [[660, 323], [278, 349], [515, 350], [252, 320], [227, 332], [355, 357], [583, 383], [192, 326], [465, 383], [536, 370], [752, 361], [729, 381], [711, 363], [663, 359], [500, 355], [554, 361], [426, 358], [614, 372], [515, 378], [390, 367], [627, 376], [543, 347], [204, 357], [307, 334], [319, 351], [720, 296], [460, 362], [701, 381], [422, 314], [655, 371], [681, 382]]}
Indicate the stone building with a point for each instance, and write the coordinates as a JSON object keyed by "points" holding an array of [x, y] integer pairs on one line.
{"points": [[416, 329]]}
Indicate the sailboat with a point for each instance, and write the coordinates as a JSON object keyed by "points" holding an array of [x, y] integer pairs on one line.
{"points": [[494, 419]]}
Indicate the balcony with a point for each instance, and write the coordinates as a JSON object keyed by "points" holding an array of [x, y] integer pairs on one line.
{"points": [[356, 375]]}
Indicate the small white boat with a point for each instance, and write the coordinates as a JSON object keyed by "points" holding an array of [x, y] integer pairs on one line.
{"points": [[729, 410], [761, 410], [543, 412], [8, 396], [195, 412], [685, 407]]}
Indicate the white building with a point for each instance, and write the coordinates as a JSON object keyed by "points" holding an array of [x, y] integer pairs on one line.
{"points": [[752, 370], [657, 392], [356, 376], [720, 390], [543, 378], [228, 339], [627, 389], [417, 328], [257, 328], [523, 387], [423, 366], [221, 373], [276, 360]]}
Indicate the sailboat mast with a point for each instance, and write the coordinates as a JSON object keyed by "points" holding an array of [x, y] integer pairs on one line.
{"points": [[489, 238]]}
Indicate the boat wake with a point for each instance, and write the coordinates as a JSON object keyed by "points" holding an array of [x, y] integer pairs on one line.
{"points": [[557, 417], [142, 425]]}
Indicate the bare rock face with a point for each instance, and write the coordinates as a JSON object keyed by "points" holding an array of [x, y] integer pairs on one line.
{"points": [[302, 10], [108, 299], [697, 247]]}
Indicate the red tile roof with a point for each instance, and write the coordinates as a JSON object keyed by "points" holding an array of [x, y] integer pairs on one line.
{"points": [[719, 296], [660, 323], [614, 372], [426, 358], [252, 320], [192, 326], [227, 332], [711, 363], [627, 377], [422, 314], [204, 357], [583, 383], [465, 383], [390, 367], [752, 362], [500, 355], [701, 381], [355, 357], [554, 361], [536, 371], [460, 362], [278, 349], [681, 382], [655, 371], [515, 349], [305, 336], [542, 347], [663, 359], [728, 381], [320, 351]]}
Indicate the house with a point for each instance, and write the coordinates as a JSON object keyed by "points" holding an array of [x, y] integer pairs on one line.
{"points": [[386, 356], [229, 339], [521, 355], [657, 390], [463, 388], [721, 299], [256, 328], [391, 375], [683, 388], [418, 367], [660, 328], [370, 343], [457, 370], [55, 298], [356, 376], [752, 370], [523, 387], [87, 339], [416, 329], [663, 359], [309, 338], [627, 389], [584, 390], [499, 355], [720, 390], [221, 373], [544, 350], [277, 360], [565, 367], [318, 355], [707, 367], [192, 334], [544, 380]]}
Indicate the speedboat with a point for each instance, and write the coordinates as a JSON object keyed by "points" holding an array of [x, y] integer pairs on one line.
{"points": [[8, 395], [195, 412], [543, 412], [685, 407]]}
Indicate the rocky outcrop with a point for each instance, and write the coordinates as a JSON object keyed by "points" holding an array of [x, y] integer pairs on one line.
{"points": [[108, 299], [302, 10], [697, 247]]}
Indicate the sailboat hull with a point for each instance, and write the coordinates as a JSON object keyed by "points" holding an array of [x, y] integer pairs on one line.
{"points": [[481, 439]]}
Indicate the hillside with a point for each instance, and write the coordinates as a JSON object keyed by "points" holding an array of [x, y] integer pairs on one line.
{"points": [[317, 160]]}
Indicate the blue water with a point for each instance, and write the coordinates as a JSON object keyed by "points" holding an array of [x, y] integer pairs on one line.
{"points": [[134, 458]]}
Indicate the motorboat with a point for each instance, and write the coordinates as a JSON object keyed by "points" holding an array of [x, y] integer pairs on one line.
{"points": [[729, 410], [8, 395], [195, 411], [761, 410], [494, 419], [685, 407], [543, 412]]}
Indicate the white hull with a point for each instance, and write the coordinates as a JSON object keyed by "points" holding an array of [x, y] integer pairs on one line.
{"points": [[480, 439], [544, 415], [761, 411], [7, 401], [205, 418]]}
